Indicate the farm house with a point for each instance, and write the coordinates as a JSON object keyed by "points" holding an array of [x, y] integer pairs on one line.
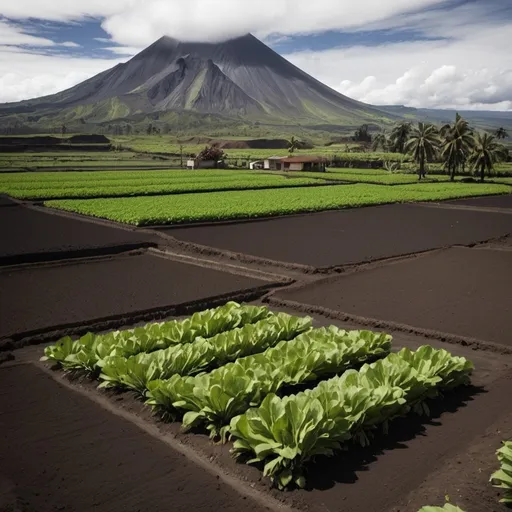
{"points": [[273, 163], [304, 163]]}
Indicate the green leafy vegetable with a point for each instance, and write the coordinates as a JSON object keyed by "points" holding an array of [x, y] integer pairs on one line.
{"points": [[286, 433], [447, 508], [215, 398], [86, 352], [503, 477], [188, 359]]}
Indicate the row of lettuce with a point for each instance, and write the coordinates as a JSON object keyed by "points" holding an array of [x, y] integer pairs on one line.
{"points": [[240, 204], [283, 391]]}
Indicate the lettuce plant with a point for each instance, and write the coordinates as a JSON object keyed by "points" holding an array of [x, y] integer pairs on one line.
{"points": [[286, 433], [215, 398], [191, 358], [86, 352], [503, 477]]}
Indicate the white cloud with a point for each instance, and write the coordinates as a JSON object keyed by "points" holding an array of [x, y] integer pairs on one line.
{"points": [[10, 34], [29, 75], [124, 50], [70, 44], [473, 72], [140, 22]]}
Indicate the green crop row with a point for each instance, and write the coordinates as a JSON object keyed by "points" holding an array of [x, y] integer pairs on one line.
{"points": [[188, 359], [117, 188], [447, 508], [214, 399], [86, 352], [286, 433], [64, 179], [502, 479], [246, 204]]}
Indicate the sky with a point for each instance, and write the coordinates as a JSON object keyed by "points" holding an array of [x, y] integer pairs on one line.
{"points": [[418, 53]]}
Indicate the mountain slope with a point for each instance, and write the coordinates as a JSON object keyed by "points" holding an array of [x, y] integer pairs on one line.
{"points": [[239, 78]]}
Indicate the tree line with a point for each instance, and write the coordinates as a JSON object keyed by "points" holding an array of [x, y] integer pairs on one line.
{"points": [[456, 145]]}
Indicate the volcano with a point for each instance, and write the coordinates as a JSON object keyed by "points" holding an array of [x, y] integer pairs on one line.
{"points": [[241, 78]]}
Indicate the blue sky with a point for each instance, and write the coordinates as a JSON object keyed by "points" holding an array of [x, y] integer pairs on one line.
{"points": [[431, 53]]}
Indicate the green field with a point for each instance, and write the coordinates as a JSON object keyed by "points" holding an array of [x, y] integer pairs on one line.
{"points": [[248, 204], [138, 183]]}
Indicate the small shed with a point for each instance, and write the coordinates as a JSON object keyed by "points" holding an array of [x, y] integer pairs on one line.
{"points": [[304, 163], [259, 164], [273, 163]]}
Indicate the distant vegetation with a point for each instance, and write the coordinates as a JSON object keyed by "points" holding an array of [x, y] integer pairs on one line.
{"points": [[456, 146]]}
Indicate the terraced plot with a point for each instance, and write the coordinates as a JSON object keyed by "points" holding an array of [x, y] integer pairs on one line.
{"points": [[464, 292], [145, 211], [77, 295], [350, 237]]}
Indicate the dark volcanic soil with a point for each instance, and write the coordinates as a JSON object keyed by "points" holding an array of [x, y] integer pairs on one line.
{"points": [[60, 451], [350, 236], [486, 202], [467, 292], [44, 296], [28, 235]]}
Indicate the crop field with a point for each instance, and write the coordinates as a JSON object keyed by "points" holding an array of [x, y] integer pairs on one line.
{"points": [[357, 356], [251, 355], [142, 211], [72, 160], [137, 183]]}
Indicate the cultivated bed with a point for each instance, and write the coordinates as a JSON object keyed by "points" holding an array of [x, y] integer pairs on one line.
{"points": [[43, 298], [32, 235], [376, 478], [60, 451], [352, 236], [486, 202], [466, 292]]}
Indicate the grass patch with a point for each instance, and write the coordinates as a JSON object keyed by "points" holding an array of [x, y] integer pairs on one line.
{"points": [[248, 204]]}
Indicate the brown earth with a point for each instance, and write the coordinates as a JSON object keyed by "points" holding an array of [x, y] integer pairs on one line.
{"points": [[486, 202], [348, 237], [76, 293], [62, 452], [30, 235], [417, 462], [463, 291]]}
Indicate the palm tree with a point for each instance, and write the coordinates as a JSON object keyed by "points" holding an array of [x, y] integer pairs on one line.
{"points": [[400, 135], [457, 145], [293, 144], [423, 145], [501, 133], [380, 141], [486, 152]]}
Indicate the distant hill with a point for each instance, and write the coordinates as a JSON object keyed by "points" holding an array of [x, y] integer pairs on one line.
{"points": [[237, 79], [483, 119]]}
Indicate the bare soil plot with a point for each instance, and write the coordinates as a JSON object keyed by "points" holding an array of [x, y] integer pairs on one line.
{"points": [[60, 451], [486, 202], [29, 235], [349, 237], [466, 292], [43, 298]]}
